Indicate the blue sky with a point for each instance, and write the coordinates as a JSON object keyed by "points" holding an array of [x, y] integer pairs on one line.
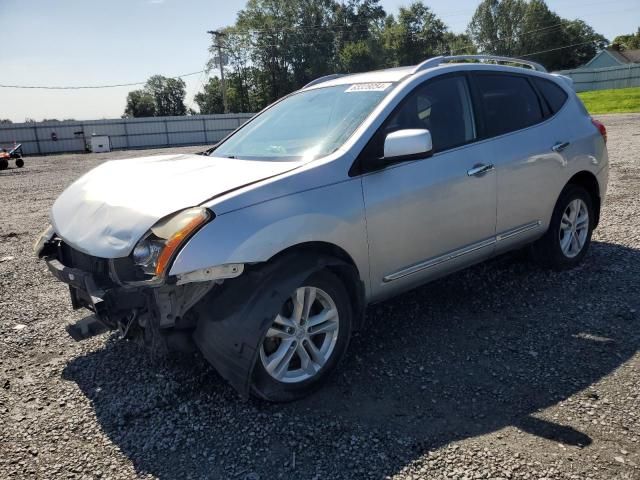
{"points": [[86, 42]]}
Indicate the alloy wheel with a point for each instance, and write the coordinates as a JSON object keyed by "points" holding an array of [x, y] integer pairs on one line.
{"points": [[302, 336], [574, 228]]}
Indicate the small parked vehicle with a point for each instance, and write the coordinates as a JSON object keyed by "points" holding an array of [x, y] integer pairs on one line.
{"points": [[265, 252], [13, 153]]}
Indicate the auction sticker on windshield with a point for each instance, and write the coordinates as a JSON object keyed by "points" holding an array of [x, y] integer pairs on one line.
{"points": [[368, 87]]}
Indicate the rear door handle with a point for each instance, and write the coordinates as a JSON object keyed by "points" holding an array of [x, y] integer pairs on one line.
{"points": [[560, 146], [479, 169]]}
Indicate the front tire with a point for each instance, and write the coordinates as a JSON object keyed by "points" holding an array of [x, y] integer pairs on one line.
{"points": [[569, 235], [306, 341]]}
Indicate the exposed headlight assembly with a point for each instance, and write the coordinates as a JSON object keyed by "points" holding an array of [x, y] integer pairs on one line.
{"points": [[158, 247]]}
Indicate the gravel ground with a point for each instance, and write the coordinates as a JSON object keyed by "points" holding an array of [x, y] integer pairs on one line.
{"points": [[501, 371]]}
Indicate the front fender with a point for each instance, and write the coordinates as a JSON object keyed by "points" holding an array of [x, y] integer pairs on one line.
{"points": [[232, 323], [332, 214]]}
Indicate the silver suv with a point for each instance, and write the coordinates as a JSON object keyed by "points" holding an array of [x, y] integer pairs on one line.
{"points": [[264, 252]]}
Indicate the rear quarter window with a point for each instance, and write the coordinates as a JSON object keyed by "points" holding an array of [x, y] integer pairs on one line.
{"points": [[552, 93], [509, 103]]}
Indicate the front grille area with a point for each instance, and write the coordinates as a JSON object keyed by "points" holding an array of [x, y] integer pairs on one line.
{"points": [[73, 258], [125, 269]]}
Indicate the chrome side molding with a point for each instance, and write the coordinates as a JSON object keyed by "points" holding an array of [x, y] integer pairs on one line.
{"points": [[518, 230], [432, 262]]}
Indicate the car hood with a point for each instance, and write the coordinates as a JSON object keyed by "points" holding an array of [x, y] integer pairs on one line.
{"points": [[105, 212]]}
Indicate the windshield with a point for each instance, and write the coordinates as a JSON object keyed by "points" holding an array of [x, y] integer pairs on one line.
{"points": [[306, 125]]}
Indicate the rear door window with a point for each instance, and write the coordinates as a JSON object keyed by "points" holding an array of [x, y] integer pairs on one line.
{"points": [[509, 103], [552, 93]]}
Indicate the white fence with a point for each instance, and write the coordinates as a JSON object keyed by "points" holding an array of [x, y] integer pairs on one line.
{"points": [[124, 133], [623, 76]]}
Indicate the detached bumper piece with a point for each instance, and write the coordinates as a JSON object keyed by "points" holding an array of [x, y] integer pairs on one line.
{"points": [[111, 305], [82, 286], [156, 312], [91, 285]]}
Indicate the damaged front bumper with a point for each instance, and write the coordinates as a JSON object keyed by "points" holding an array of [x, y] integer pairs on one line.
{"points": [[157, 310], [224, 320]]}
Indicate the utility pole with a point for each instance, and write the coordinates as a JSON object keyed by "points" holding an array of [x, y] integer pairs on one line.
{"points": [[217, 36]]}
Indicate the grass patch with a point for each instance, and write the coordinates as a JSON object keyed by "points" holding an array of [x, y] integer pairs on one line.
{"points": [[619, 100]]}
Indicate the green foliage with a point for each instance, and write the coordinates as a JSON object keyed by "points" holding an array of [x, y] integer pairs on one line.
{"points": [[161, 96], [210, 99], [458, 44], [277, 46], [530, 29], [627, 42], [139, 104], [620, 100], [359, 56], [5, 121], [417, 34]]}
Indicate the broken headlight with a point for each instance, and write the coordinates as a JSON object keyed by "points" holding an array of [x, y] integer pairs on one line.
{"points": [[158, 247]]}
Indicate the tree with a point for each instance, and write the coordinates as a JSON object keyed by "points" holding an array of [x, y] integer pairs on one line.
{"points": [[358, 26], [160, 96], [417, 34], [627, 42], [272, 26], [277, 46], [359, 56], [168, 95], [586, 43], [210, 99], [496, 26], [140, 103], [239, 78], [531, 30], [458, 44], [542, 31], [5, 121]]}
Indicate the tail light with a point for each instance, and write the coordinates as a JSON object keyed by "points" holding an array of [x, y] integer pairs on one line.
{"points": [[601, 128]]}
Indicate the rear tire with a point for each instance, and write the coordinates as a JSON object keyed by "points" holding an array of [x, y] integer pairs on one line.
{"points": [[312, 357], [567, 240], [4, 164]]}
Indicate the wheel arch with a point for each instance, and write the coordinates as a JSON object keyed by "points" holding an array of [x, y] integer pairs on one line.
{"points": [[346, 270], [589, 182]]}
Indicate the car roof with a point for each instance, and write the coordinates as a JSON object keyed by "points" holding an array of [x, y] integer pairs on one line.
{"points": [[449, 63]]}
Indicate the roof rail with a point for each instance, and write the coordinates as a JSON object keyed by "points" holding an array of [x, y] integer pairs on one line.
{"points": [[326, 78], [435, 61], [428, 63]]}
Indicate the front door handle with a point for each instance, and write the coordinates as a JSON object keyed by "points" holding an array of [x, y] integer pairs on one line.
{"points": [[479, 169], [560, 146]]}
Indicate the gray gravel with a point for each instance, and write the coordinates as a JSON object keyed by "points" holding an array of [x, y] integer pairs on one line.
{"points": [[501, 371]]}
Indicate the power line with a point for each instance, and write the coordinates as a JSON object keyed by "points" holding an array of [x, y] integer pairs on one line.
{"points": [[199, 84], [217, 38], [560, 24], [85, 87], [464, 47], [558, 48], [302, 28]]}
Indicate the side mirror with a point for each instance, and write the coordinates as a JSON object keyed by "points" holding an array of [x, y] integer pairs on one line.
{"points": [[407, 145]]}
